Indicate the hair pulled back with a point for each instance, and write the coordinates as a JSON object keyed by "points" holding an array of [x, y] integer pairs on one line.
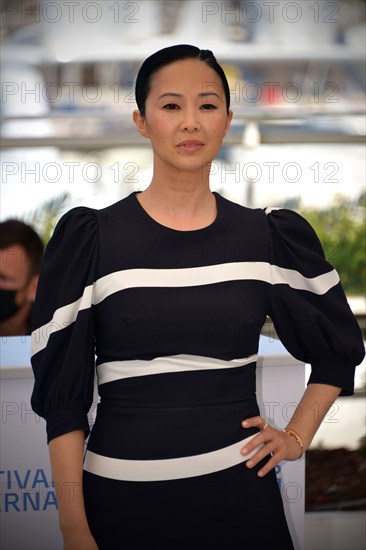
{"points": [[168, 55]]}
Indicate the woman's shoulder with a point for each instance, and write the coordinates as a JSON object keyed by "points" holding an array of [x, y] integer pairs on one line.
{"points": [[290, 227], [78, 227], [280, 215], [282, 224], [75, 215], [81, 216], [238, 212]]}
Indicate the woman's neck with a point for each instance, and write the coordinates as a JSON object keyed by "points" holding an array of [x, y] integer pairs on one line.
{"points": [[186, 204]]}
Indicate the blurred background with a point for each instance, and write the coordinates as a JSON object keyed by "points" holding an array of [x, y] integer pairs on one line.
{"points": [[297, 79]]}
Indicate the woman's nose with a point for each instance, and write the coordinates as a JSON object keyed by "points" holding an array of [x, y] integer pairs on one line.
{"points": [[190, 121]]}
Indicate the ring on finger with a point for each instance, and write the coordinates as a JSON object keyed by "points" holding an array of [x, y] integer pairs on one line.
{"points": [[265, 426]]}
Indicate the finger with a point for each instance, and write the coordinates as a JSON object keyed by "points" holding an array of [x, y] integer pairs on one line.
{"points": [[272, 460], [262, 453], [255, 421], [253, 444], [269, 465], [260, 438], [276, 455]]}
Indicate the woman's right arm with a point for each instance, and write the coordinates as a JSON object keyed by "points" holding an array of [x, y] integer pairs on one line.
{"points": [[66, 455], [63, 361]]}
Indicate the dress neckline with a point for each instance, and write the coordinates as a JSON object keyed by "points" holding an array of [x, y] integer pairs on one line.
{"points": [[154, 222]]}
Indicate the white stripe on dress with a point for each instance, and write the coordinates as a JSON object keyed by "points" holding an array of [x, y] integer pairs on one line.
{"points": [[167, 469], [180, 277], [211, 274], [317, 285], [62, 318], [118, 370]]}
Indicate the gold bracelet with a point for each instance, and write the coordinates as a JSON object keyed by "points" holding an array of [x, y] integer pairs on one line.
{"points": [[298, 439]]}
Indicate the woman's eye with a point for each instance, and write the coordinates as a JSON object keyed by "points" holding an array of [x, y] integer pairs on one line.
{"points": [[171, 106], [208, 106]]}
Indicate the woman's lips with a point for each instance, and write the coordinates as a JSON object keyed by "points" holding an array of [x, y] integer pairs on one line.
{"points": [[190, 145]]}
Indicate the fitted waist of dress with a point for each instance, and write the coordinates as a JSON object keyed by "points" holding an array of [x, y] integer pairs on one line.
{"points": [[159, 433], [117, 406], [176, 382], [111, 370]]}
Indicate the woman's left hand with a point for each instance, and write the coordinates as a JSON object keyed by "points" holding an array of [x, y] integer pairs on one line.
{"points": [[276, 443]]}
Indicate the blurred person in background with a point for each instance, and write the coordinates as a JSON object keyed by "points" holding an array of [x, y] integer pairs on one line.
{"points": [[168, 290], [21, 252]]}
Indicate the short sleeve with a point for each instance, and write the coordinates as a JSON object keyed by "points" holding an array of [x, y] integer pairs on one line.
{"points": [[63, 350], [308, 307]]}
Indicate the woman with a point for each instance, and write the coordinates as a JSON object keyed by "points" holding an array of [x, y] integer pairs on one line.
{"points": [[169, 288]]}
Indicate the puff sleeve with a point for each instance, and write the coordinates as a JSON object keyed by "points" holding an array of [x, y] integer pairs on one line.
{"points": [[308, 307], [63, 350]]}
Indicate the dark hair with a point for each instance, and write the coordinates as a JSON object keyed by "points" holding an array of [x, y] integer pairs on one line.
{"points": [[169, 55], [15, 232]]}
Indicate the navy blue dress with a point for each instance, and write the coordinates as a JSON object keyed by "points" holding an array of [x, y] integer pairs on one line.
{"points": [[170, 323]]}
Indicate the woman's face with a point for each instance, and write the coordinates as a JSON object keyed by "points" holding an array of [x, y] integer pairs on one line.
{"points": [[186, 116]]}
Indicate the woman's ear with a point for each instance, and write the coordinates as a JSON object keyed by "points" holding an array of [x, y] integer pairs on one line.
{"points": [[228, 122], [140, 123]]}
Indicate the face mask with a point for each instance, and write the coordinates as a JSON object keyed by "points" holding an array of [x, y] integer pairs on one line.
{"points": [[8, 305]]}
